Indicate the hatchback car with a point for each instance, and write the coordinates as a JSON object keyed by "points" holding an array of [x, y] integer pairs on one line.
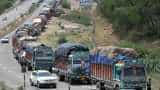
{"points": [[44, 78]]}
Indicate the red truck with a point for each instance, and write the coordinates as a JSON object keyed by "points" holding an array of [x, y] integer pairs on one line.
{"points": [[18, 40]]}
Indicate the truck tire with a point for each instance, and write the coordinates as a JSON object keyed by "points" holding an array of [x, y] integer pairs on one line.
{"points": [[71, 81], [29, 68], [100, 86], [61, 78], [50, 70], [31, 83], [116, 87]]}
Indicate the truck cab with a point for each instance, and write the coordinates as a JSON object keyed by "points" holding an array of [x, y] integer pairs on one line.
{"points": [[38, 56], [130, 76], [79, 66]]}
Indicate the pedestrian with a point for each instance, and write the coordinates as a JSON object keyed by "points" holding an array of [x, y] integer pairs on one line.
{"points": [[149, 84]]}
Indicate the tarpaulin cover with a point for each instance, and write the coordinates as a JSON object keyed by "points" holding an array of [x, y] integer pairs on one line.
{"points": [[64, 49], [100, 59], [112, 51]]}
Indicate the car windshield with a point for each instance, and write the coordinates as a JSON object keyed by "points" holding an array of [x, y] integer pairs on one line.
{"points": [[44, 74]]}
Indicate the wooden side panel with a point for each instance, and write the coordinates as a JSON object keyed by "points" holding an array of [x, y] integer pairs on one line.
{"points": [[103, 71]]}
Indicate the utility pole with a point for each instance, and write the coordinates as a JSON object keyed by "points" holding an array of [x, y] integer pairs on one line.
{"points": [[23, 67], [69, 79]]}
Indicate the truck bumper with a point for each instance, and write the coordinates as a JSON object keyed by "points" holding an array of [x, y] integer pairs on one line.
{"points": [[133, 89], [81, 78]]}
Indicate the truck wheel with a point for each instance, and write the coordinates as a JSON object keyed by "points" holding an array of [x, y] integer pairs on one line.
{"points": [[116, 87], [50, 70], [31, 83], [29, 68], [61, 78], [66, 79], [71, 81]]}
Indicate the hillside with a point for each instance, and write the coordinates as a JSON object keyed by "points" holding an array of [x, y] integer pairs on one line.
{"points": [[4, 4]]}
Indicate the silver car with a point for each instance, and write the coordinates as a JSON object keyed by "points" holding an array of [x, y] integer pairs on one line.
{"points": [[44, 78]]}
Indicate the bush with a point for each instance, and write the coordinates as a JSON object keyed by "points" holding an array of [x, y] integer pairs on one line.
{"points": [[149, 56], [141, 16], [77, 17], [65, 4], [62, 39], [4, 4]]}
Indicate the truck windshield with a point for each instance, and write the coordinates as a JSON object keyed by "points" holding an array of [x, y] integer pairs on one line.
{"points": [[134, 71], [81, 55], [44, 53]]}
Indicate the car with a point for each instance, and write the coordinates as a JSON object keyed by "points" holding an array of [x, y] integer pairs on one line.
{"points": [[4, 19], [44, 78], [4, 40]]}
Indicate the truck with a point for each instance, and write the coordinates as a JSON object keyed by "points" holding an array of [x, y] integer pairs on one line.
{"points": [[20, 43], [15, 40], [39, 23], [72, 62], [37, 56], [115, 68]]}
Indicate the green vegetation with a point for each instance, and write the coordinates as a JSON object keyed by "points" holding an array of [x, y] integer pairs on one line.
{"points": [[65, 4], [4, 4], [150, 56], [135, 19], [62, 39], [77, 17]]}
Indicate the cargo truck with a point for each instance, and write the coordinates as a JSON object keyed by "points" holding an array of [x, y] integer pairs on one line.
{"points": [[15, 41], [37, 56], [115, 68], [72, 62]]}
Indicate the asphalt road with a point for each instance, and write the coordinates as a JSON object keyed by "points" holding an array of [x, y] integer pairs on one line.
{"points": [[10, 70], [15, 12]]}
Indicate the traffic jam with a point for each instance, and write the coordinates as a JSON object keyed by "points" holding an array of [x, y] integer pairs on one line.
{"points": [[108, 67]]}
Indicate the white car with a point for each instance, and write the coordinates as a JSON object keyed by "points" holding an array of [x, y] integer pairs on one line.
{"points": [[43, 78], [4, 40]]}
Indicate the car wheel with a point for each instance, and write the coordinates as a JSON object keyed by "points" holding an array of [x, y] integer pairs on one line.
{"points": [[38, 85], [31, 83], [55, 85]]}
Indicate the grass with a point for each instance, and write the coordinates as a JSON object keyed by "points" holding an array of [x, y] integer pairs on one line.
{"points": [[65, 4], [4, 4], [51, 36], [77, 17], [3, 86], [12, 26]]}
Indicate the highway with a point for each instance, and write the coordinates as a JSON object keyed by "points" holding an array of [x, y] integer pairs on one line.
{"points": [[15, 12], [10, 71]]}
